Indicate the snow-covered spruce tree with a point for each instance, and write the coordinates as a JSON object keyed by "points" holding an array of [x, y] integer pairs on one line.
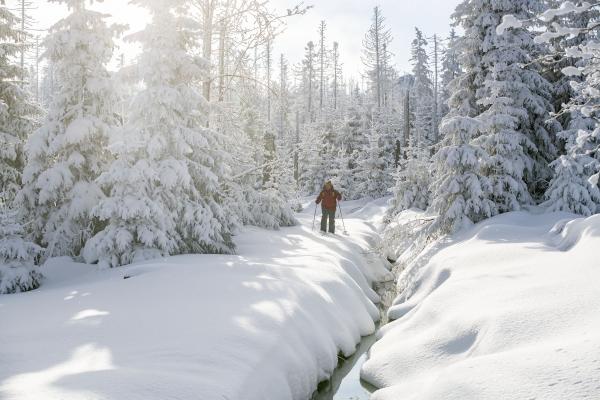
{"points": [[413, 181], [344, 172], [17, 112], [574, 186], [514, 101], [275, 196], [288, 192], [379, 113], [462, 89], [261, 183], [47, 85], [371, 174], [351, 140], [308, 82], [18, 257], [316, 159], [67, 153], [164, 186], [249, 197], [451, 69], [460, 194], [376, 56], [508, 159], [555, 61], [422, 93], [352, 135], [241, 191]]}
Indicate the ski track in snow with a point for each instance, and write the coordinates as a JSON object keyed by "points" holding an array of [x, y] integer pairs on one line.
{"points": [[267, 323]]}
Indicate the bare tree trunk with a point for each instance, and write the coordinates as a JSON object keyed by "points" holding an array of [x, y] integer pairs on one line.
{"points": [[377, 57], [208, 9], [435, 89], [122, 98], [335, 73], [37, 69], [406, 123], [296, 148], [222, 35], [384, 71], [255, 67], [23, 39], [321, 63], [268, 65], [282, 93], [311, 77]]}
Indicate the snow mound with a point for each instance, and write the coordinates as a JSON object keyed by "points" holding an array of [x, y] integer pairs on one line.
{"points": [[570, 233], [506, 310], [267, 323]]}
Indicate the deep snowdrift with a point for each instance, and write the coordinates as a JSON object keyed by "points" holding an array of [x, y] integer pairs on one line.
{"points": [[507, 310], [265, 324]]}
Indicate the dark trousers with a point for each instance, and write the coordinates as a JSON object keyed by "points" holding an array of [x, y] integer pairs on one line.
{"points": [[328, 214]]}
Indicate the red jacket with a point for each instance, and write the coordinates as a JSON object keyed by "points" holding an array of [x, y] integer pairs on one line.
{"points": [[329, 198]]}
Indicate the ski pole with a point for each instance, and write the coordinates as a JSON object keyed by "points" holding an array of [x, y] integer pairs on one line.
{"points": [[314, 217], [343, 223]]}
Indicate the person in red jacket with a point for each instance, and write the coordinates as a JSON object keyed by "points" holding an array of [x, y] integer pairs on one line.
{"points": [[328, 199]]}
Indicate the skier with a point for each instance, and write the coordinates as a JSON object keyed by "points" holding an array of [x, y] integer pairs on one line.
{"points": [[329, 198]]}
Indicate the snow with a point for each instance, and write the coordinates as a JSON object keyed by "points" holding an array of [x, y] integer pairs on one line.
{"points": [[505, 310], [267, 323], [566, 7], [508, 21], [571, 71]]}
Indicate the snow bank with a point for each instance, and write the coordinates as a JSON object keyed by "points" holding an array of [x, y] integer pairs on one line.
{"points": [[267, 323], [507, 310]]}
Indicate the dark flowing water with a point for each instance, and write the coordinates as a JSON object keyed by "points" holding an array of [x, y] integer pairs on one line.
{"points": [[345, 382]]}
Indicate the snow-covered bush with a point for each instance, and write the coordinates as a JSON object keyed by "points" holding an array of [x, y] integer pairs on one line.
{"points": [[269, 210], [266, 206], [18, 272], [262, 207]]}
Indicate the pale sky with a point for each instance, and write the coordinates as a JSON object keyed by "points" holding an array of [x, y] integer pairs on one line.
{"points": [[347, 21]]}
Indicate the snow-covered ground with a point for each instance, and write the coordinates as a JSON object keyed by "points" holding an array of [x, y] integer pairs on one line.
{"points": [[507, 310], [267, 323]]}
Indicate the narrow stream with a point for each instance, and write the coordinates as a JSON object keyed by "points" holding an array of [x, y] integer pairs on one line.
{"points": [[345, 382]]}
